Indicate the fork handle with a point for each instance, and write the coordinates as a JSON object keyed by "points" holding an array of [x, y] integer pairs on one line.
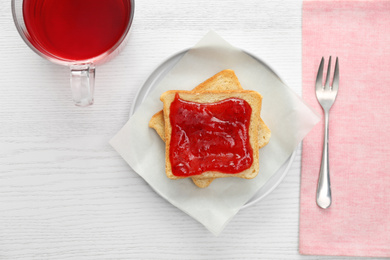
{"points": [[324, 194]]}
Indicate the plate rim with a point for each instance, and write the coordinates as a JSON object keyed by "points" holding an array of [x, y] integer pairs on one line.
{"points": [[288, 161]]}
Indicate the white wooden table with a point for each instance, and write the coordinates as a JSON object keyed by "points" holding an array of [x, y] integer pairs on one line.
{"points": [[66, 194]]}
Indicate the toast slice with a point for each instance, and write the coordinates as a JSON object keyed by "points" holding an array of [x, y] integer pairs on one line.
{"points": [[252, 98], [224, 80]]}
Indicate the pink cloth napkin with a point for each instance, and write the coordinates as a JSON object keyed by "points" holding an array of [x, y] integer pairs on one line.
{"points": [[358, 222]]}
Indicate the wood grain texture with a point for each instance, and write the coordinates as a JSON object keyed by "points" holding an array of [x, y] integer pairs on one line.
{"points": [[66, 194]]}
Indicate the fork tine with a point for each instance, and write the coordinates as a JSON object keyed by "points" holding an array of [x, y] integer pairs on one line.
{"points": [[335, 83], [319, 75], [328, 73]]}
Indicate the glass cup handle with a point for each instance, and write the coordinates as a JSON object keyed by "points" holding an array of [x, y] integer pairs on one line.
{"points": [[82, 82]]}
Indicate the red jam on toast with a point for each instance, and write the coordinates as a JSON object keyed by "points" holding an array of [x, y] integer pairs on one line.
{"points": [[210, 137]]}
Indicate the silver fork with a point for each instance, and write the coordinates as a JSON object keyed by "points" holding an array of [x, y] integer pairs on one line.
{"points": [[326, 95]]}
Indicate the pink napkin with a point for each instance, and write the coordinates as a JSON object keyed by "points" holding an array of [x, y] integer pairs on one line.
{"points": [[358, 222]]}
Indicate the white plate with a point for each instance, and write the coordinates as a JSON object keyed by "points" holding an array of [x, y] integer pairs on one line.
{"points": [[159, 73]]}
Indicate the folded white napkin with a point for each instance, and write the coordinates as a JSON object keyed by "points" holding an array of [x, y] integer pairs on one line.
{"points": [[283, 111]]}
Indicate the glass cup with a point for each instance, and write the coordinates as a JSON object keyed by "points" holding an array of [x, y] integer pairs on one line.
{"points": [[79, 34]]}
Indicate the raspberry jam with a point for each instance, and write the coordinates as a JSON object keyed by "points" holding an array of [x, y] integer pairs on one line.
{"points": [[210, 137]]}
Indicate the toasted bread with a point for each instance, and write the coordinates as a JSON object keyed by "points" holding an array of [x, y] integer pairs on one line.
{"points": [[253, 98], [224, 80]]}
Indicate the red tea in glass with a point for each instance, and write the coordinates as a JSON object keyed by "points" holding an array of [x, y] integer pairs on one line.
{"points": [[76, 29], [77, 33]]}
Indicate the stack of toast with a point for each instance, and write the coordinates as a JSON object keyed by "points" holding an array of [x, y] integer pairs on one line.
{"points": [[221, 86]]}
